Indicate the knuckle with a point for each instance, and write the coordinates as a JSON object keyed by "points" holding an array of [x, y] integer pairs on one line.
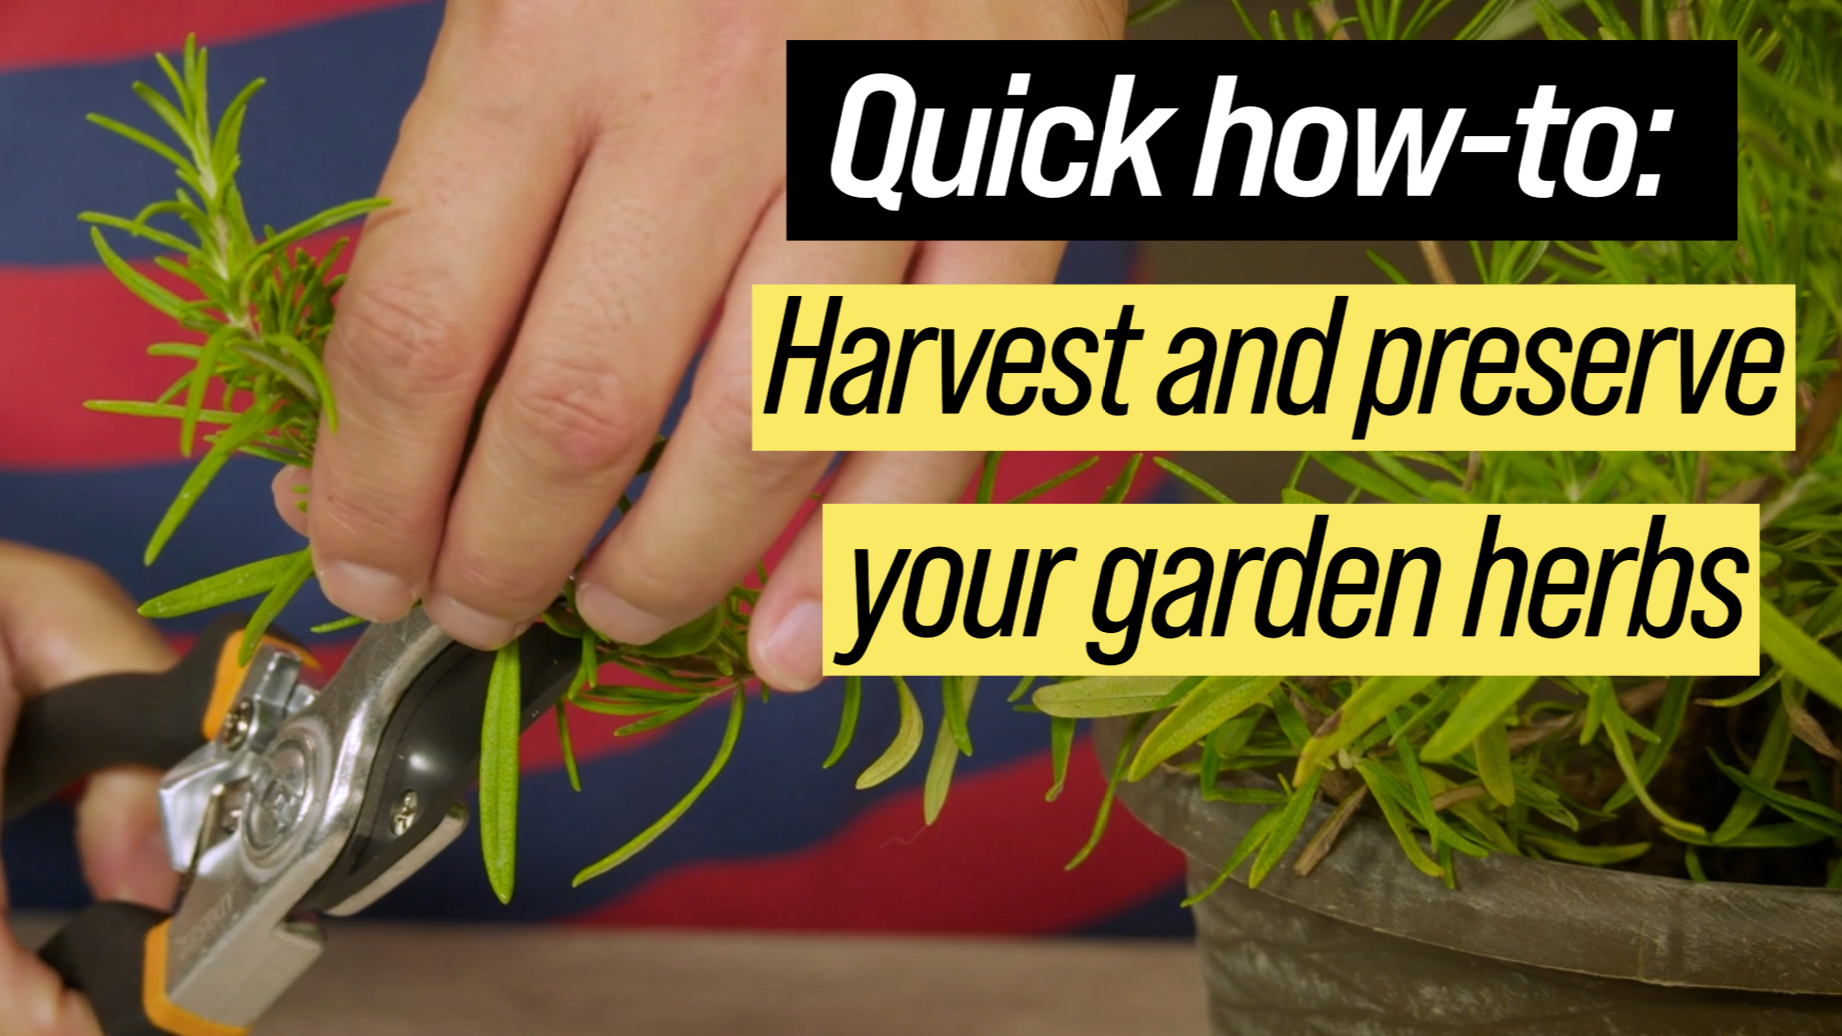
{"points": [[651, 581], [724, 402], [583, 417], [724, 405], [370, 526], [779, 469], [399, 339], [486, 583], [495, 63], [520, 27]]}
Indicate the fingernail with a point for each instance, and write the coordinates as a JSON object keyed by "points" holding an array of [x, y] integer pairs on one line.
{"points": [[138, 870], [610, 615], [790, 660], [366, 592], [471, 626]]}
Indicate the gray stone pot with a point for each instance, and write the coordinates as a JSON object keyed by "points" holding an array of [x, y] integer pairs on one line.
{"points": [[1368, 946]]}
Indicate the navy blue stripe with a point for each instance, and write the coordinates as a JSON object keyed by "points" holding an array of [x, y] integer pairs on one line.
{"points": [[107, 516], [317, 135]]}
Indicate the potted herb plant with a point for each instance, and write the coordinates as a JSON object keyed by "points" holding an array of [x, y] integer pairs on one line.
{"points": [[1558, 853]]}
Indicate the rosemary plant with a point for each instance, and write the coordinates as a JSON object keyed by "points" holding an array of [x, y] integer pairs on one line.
{"points": [[263, 305], [1669, 774]]}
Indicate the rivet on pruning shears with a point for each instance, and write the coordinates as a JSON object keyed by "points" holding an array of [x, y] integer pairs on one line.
{"points": [[237, 724], [405, 814]]}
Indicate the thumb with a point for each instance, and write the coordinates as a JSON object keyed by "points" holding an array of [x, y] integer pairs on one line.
{"points": [[61, 620], [121, 840]]}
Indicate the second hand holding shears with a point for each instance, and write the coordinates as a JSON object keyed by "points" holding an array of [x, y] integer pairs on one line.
{"points": [[280, 803]]}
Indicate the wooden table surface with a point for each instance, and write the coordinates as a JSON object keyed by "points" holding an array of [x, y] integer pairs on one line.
{"points": [[385, 979]]}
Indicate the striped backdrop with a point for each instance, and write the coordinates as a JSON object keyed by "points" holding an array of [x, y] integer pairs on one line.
{"points": [[777, 842]]}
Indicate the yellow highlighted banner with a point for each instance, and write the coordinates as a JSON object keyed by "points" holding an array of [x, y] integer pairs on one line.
{"points": [[1354, 589], [1201, 367]]}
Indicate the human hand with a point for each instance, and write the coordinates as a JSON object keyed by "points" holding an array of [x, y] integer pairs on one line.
{"points": [[63, 620], [576, 189]]}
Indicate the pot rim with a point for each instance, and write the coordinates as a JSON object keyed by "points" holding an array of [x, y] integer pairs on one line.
{"points": [[1615, 924]]}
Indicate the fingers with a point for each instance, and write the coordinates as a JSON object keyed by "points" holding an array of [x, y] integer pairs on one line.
{"points": [[783, 636], [637, 267], [713, 506], [33, 1000], [480, 172], [784, 631], [63, 620]]}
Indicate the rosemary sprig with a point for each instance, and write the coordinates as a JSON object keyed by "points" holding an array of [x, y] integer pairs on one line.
{"points": [[262, 307], [262, 304]]}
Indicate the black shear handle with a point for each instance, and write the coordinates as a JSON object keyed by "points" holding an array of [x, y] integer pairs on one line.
{"points": [[108, 953], [149, 719], [146, 719]]}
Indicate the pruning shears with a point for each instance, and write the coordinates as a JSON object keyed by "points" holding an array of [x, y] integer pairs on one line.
{"points": [[280, 802]]}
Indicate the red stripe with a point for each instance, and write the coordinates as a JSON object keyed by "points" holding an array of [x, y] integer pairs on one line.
{"points": [[993, 863], [51, 32], [75, 334]]}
